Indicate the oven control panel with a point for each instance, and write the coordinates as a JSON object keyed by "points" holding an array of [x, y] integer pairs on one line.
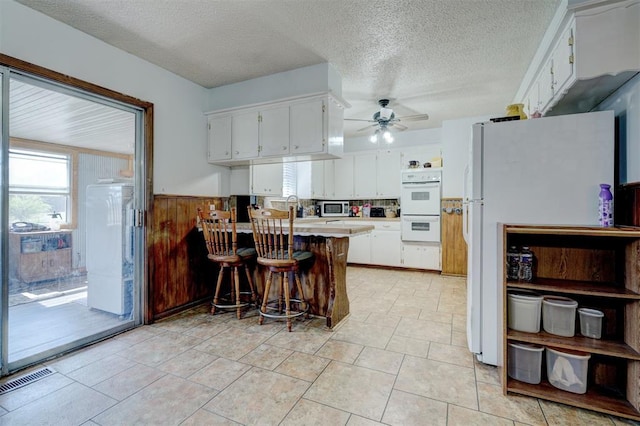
{"points": [[421, 176]]}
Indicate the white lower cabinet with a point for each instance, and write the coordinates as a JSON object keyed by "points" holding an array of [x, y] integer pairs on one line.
{"points": [[360, 249], [421, 256], [386, 245], [382, 246]]}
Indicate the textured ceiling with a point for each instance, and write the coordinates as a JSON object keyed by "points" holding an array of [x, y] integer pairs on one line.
{"points": [[445, 58]]}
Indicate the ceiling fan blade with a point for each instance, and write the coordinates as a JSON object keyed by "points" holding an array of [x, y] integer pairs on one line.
{"points": [[367, 128], [398, 126], [418, 117], [360, 119]]}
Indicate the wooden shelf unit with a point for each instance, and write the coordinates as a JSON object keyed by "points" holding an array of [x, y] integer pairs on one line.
{"points": [[600, 268], [39, 256]]}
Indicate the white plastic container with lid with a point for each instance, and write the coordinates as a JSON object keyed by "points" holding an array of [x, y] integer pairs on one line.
{"points": [[568, 370], [590, 322], [559, 315], [525, 362], [523, 311]]}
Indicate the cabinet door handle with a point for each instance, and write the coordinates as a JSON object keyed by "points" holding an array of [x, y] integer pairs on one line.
{"points": [[43, 264], [237, 152], [284, 148], [50, 262], [296, 147]]}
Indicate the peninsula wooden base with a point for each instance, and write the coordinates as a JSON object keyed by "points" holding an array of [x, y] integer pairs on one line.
{"points": [[324, 282]]}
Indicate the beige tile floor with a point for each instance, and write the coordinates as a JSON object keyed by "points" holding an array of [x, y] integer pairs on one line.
{"points": [[399, 359]]}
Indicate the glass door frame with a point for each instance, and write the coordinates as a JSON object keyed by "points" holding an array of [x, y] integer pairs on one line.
{"points": [[14, 68]]}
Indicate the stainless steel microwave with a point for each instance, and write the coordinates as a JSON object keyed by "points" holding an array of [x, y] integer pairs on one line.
{"points": [[334, 208]]}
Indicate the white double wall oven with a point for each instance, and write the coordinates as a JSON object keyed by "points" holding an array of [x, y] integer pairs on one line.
{"points": [[420, 205]]}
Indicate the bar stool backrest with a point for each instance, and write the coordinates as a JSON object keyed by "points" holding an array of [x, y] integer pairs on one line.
{"points": [[272, 232], [219, 230]]}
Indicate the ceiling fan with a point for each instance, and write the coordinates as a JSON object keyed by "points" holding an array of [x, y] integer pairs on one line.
{"points": [[386, 118]]}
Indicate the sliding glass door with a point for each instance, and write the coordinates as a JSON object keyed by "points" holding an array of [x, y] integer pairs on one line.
{"points": [[72, 249]]}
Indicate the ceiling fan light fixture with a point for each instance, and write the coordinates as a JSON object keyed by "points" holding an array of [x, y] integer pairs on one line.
{"points": [[374, 137], [385, 113], [388, 137]]}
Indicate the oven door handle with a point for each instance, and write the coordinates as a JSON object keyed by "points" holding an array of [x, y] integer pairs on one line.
{"points": [[411, 185], [433, 218]]}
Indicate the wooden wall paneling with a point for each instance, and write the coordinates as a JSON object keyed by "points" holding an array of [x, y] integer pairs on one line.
{"points": [[454, 248], [180, 273]]}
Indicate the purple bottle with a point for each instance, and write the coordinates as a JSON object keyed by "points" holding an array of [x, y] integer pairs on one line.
{"points": [[605, 204]]}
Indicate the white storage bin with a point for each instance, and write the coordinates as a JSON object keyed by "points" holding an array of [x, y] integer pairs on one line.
{"points": [[559, 315], [525, 362], [590, 322], [568, 371], [523, 311]]}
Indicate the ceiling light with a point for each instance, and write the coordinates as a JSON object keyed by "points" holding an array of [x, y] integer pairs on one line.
{"points": [[388, 138], [374, 137]]}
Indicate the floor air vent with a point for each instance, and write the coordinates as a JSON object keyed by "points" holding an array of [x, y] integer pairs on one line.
{"points": [[25, 380]]}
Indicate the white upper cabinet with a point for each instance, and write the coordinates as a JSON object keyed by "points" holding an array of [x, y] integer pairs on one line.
{"points": [[219, 138], [303, 128], [307, 129], [274, 132], [389, 164], [343, 177], [314, 179], [590, 50], [266, 179], [245, 131], [365, 174]]}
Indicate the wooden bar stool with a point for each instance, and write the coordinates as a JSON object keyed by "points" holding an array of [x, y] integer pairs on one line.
{"points": [[273, 238], [219, 230]]}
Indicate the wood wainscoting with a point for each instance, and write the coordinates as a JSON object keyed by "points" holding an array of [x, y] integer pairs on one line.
{"points": [[454, 248], [180, 275]]}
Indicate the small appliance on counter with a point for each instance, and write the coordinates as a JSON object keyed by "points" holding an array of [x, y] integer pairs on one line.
{"points": [[377, 212], [334, 208]]}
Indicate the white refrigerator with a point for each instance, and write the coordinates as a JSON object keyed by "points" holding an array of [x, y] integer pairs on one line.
{"points": [[536, 171], [109, 247]]}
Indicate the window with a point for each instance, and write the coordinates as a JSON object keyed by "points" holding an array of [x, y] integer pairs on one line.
{"points": [[39, 186], [289, 175]]}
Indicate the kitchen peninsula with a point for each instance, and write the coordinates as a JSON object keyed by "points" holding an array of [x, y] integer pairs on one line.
{"points": [[325, 281]]}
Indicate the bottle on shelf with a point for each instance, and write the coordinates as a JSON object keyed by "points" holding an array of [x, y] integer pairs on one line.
{"points": [[525, 271], [513, 263], [605, 206]]}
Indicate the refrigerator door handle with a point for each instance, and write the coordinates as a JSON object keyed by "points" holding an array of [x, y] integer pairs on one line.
{"points": [[465, 206], [465, 224], [465, 195]]}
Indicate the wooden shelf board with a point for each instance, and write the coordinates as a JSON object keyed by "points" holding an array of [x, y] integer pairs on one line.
{"points": [[592, 400], [590, 231], [586, 288], [577, 343]]}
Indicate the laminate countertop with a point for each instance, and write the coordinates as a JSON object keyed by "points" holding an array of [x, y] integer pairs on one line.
{"points": [[318, 227]]}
